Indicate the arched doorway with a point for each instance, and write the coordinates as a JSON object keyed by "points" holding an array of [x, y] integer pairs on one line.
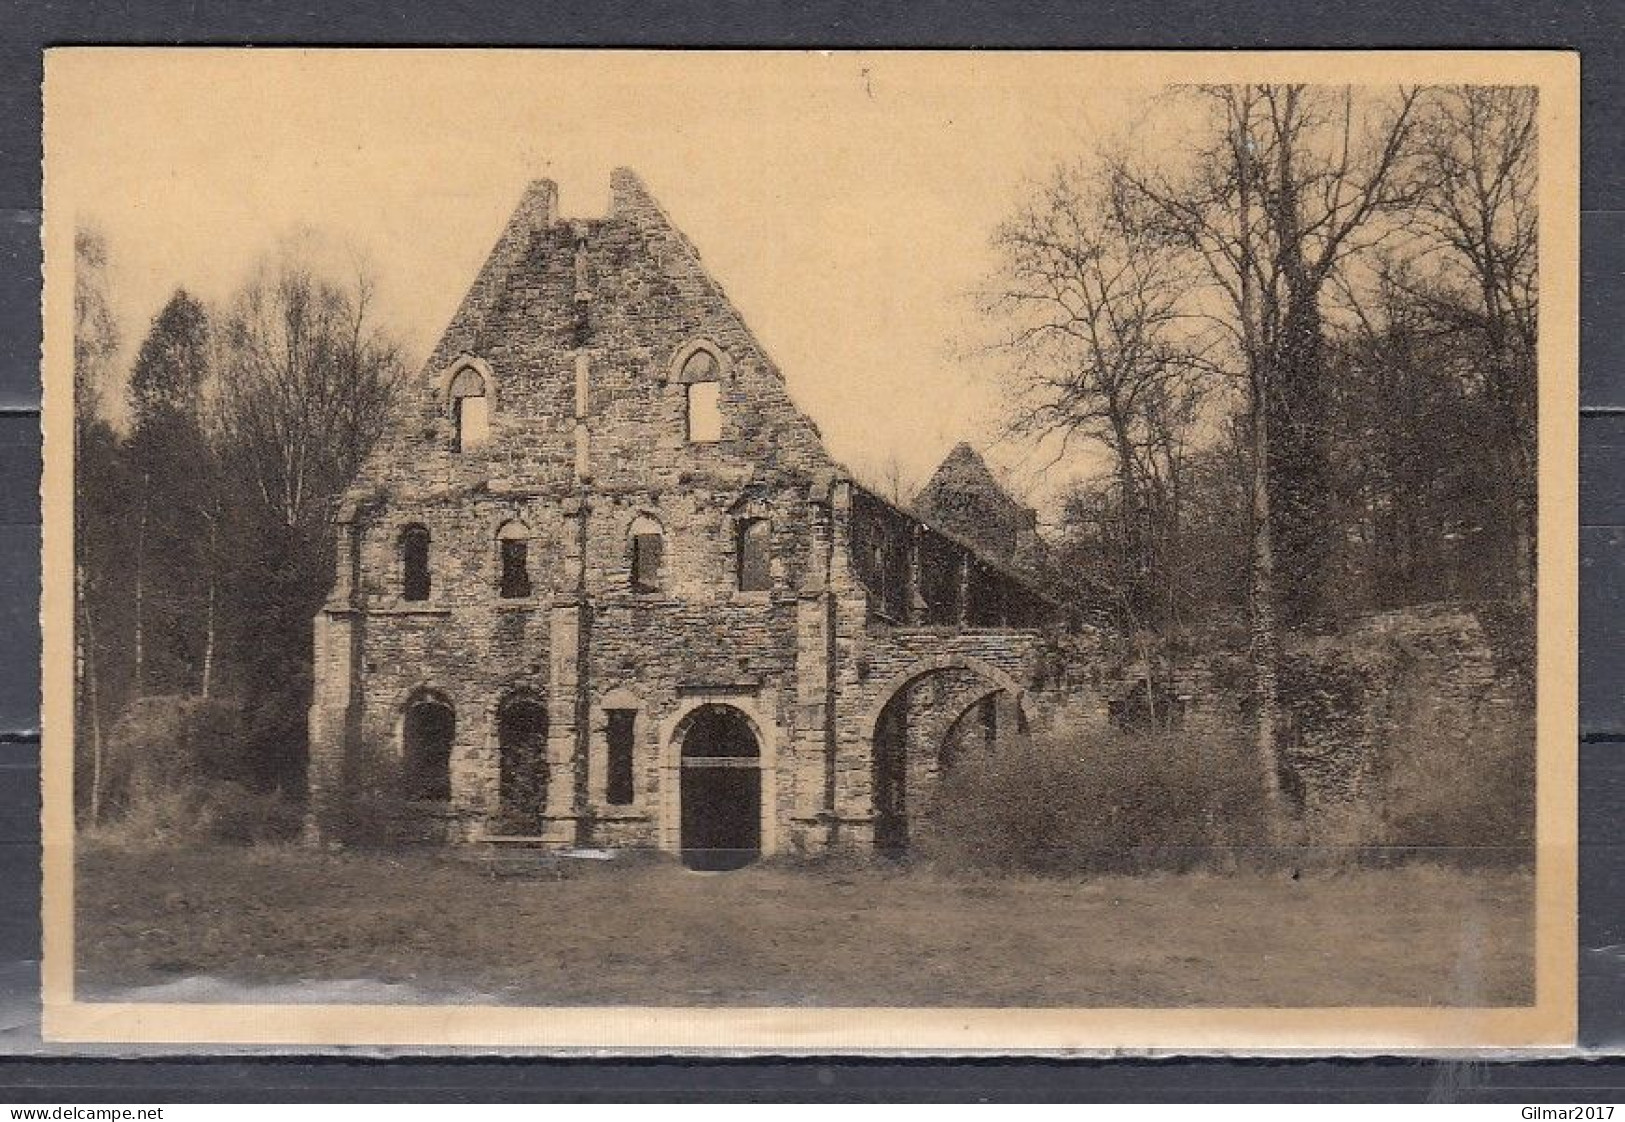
{"points": [[522, 764], [720, 790], [427, 731]]}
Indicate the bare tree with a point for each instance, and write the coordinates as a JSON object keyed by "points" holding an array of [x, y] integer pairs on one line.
{"points": [[1478, 203], [95, 342], [1089, 299], [1282, 186], [307, 383], [895, 482]]}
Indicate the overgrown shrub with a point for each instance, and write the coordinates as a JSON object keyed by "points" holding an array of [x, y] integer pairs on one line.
{"points": [[1459, 790], [371, 807], [1064, 802], [1453, 792], [178, 771], [166, 744], [205, 812]]}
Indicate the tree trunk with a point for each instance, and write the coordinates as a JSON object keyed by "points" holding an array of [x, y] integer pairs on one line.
{"points": [[87, 680], [209, 625], [139, 676], [1129, 520], [1265, 643]]}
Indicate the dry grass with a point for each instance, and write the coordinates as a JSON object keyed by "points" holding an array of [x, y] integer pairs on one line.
{"points": [[652, 933]]}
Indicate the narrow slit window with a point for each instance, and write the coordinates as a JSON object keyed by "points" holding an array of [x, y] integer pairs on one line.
{"points": [[648, 547], [618, 780], [415, 563], [754, 559]]}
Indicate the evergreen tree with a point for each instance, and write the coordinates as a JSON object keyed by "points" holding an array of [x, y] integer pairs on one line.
{"points": [[172, 471]]}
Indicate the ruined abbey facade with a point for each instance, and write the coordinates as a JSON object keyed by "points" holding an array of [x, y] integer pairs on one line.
{"points": [[601, 584]]}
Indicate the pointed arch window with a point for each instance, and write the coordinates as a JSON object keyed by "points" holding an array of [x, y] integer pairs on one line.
{"points": [[470, 410], [648, 548], [701, 377], [415, 562], [513, 555]]}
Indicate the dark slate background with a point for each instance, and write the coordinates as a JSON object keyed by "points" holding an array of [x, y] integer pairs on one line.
{"points": [[1594, 28]]}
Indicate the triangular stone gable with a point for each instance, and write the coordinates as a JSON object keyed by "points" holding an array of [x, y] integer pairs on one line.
{"points": [[796, 435], [639, 283], [537, 210]]}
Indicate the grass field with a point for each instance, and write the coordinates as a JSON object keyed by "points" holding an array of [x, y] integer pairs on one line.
{"points": [[652, 933]]}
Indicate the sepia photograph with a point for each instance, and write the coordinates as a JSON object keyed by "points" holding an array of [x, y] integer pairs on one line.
{"points": [[844, 551]]}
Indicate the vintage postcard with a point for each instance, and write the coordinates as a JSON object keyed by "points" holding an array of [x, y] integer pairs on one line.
{"points": [[811, 551]]}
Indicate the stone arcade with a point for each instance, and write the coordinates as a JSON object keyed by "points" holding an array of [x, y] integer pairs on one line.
{"points": [[602, 584]]}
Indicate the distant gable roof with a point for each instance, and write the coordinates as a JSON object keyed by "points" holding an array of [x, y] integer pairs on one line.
{"points": [[963, 496], [964, 471]]}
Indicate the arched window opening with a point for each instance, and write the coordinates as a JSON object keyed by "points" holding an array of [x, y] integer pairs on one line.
{"points": [[415, 563], [754, 559], [701, 366], [428, 730], [513, 553], [470, 410], [522, 764], [648, 547], [700, 375]]}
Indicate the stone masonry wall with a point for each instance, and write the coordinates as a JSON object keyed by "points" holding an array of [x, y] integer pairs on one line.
{"points": [[579, 330]]}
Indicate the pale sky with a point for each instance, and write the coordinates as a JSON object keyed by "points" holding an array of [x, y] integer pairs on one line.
{"points": [[845, 201]]}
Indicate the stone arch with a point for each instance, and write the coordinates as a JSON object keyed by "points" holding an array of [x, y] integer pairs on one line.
{"points": [[426, 688], [900, 682], [678, 371], [456, 366], [468, 397], [953, 731], [643, 520], [887, 729], [700, 369]]}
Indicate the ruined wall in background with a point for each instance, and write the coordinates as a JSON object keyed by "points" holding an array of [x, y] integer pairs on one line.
{"points": [[1362, 696], [1353, 700]]}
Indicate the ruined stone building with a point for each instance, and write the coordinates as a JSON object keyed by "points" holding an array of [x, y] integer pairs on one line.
{"points": [[602, 584]]}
